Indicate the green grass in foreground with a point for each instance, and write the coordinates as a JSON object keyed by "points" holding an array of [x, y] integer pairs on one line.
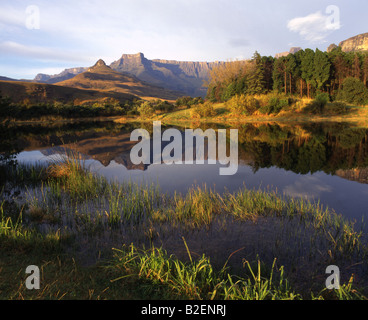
{"points": [[70, 210]]}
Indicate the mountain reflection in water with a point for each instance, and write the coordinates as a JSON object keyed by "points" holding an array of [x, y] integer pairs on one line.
{"points": [[318, 161]]}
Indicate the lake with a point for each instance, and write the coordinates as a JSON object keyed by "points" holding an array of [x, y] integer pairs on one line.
{"points": [[322, 162]]}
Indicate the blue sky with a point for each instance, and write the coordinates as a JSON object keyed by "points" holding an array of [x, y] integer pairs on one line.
{"points": [[48, 36]]}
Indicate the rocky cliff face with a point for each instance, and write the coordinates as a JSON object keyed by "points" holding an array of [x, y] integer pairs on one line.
{"points": [[292, 50], [192, 69], [65, 75], [357, 43], [184, 76]]}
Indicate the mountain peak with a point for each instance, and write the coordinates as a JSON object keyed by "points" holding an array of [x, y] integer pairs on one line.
{"points": [[137, 58], [100, 63], [138, 55]]}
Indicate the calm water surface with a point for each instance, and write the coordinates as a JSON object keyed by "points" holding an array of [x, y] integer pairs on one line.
{"points": [[320, 162]]}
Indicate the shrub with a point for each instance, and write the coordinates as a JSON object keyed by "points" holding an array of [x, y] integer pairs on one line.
{"points": [[5, 109], [241, 104], [353, 91], [97, 108], [146, 109], [188, 101], [204, 110], [197, 100], [275, 105], [183, 101], [323, 98], [263, 99], [163, 106], [132, 112], [318, 105], [229, 92], [336, 108]]}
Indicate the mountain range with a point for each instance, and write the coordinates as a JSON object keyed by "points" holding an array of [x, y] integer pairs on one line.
{"points": [[185, 77], [98, 83], [65, 75], [103, 78]]}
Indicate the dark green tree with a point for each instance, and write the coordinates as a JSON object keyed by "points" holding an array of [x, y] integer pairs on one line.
{"points": [[267, 74], [298, 71], [291, 69], [339, 67], [357, 68], [353, 91], [256, 84], [280, 75], [307, 69], [241, 85], [229, 91], [322, 68], [365, 70]]}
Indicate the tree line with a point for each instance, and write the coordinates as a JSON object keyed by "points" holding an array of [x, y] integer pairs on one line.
{"points": [[306, 73]]}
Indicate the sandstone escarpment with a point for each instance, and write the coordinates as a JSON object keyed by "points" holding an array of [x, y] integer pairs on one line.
{"points": [[292, 50], [357, 43], [185, 76]]}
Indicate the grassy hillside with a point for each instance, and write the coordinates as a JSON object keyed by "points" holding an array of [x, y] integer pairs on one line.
{"points": [[27, 92], [98, 84], [103, 78]]}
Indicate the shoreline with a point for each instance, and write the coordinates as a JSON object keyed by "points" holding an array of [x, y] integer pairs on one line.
{"points": [[117, 119], [357, 115]]}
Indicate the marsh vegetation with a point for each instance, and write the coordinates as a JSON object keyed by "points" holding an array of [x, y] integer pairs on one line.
{"points": [[103, 238]]}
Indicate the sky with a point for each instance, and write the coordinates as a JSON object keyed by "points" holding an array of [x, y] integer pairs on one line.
{"points": [[42, 36]]}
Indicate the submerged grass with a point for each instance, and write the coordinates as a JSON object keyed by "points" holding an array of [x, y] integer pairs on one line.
{"points": [[65, 209], [70, 172], [197, 279]]}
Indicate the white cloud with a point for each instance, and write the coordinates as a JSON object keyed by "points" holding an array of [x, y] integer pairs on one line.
{"points": [[183, 29], [19, 72], [310, 187], [12, 17], [37, 52], [316, 27]]}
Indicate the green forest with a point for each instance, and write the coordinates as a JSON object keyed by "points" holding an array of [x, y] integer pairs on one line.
{"points": [[307, 73]]}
